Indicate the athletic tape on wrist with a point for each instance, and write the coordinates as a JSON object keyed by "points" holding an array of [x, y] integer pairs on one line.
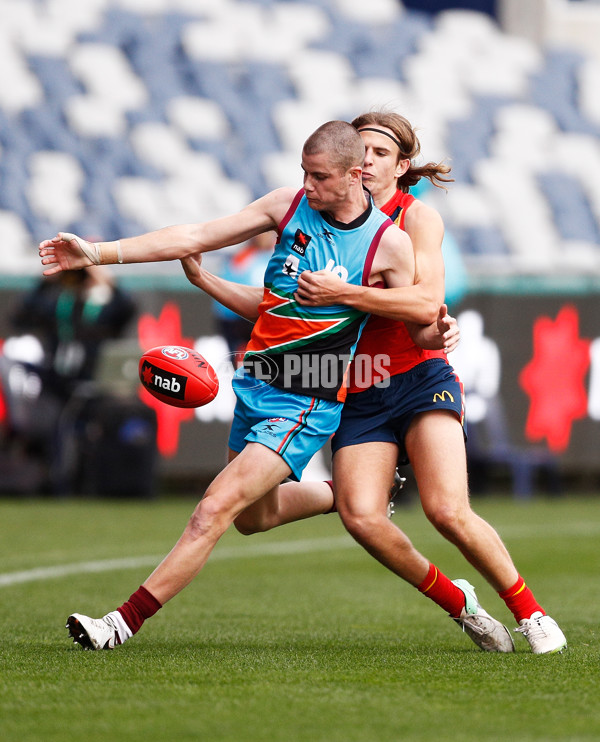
{"points": [[111, 254], [90, 249]]}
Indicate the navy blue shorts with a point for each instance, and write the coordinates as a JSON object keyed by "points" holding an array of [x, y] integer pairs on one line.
{"points": [[385, 414]]}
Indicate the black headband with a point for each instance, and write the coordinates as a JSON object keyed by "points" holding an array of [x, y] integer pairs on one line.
{"points": [[381, 131]]}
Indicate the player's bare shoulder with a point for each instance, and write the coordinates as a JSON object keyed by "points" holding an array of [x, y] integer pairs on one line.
{"points": [[275, 203], [422, 217]]}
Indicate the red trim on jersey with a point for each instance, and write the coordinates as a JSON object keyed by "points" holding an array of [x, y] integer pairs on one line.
{"points": [[372, 250], [290, 213], [399, 200], [343, 390]]}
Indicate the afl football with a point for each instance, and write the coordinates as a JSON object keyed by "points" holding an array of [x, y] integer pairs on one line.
{"points": [[178, 376]]}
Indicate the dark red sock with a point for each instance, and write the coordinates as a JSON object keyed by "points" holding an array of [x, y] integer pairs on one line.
{"points": [[140, 606], [334, 506], [442, 591], [520, 601]]}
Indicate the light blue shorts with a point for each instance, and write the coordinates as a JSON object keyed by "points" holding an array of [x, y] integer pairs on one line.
{"points": [[292, 425]]}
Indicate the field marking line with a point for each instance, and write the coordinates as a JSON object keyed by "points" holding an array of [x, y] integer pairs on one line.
{"points": [[279, 548]]}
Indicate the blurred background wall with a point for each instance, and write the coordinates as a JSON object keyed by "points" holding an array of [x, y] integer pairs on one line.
{"points": [[121, 116]]}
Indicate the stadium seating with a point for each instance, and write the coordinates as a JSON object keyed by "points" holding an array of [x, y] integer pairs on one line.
{"points": [[118, 116]]}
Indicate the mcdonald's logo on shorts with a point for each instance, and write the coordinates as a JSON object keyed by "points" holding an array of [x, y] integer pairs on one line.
{"points": [[437, 397]]}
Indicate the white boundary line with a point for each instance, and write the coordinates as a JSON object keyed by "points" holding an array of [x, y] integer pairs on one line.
{"points": [[279, 548], [302, 546]]}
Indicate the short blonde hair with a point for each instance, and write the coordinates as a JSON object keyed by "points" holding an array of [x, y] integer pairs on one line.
{"points": [[341, 141]]}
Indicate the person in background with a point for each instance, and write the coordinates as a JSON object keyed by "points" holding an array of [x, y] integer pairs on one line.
{"points": [[66, 320], [72, 315]]}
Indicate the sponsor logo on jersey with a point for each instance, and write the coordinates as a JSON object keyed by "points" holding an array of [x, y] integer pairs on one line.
{"points": [[441, 396], [175, 351], [291, 265], [301, 241], [328, 235], [165, 382]]}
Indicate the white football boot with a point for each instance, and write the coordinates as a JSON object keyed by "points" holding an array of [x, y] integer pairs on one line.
{"points": [[94, 633], [488, 633], [542, 633]]}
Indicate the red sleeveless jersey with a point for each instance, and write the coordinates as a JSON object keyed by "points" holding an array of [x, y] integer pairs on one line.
{"points": [[385, 347]]}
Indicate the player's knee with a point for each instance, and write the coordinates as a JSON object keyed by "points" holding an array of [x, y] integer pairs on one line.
{"points": [[360, 525], [201, 523], [212, 514], [447, 518]]}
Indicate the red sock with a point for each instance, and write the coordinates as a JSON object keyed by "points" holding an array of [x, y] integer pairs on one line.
{"points": [[140, 606], [442, 591], [520, 601]]}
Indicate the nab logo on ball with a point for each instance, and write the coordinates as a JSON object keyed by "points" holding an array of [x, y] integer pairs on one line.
{"points": [[157, 379], [178, 376]]}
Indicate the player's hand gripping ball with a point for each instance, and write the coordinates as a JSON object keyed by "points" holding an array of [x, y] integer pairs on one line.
{"points": [[178, 376]]}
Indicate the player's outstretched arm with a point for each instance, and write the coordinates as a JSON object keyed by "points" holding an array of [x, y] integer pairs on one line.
{"points": [[240, 298], [67, 251], [70, 252]]}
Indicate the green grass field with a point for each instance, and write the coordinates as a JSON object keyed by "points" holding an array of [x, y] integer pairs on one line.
{"points": [[296, 635]]}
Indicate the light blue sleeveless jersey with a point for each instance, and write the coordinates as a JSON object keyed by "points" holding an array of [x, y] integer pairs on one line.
{"points": [[306, 350]]}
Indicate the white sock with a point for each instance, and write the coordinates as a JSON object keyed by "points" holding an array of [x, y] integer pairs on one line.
{"points": [[122, 628]]}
